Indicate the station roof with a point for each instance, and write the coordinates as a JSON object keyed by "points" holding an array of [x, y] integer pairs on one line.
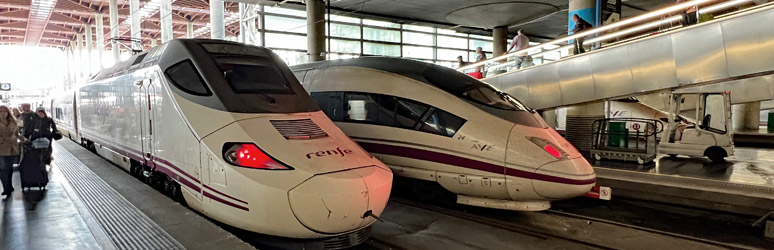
{"points": [[54, 23]]}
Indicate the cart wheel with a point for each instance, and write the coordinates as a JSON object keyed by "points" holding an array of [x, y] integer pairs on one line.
{"points": [[598, 157], [640, 160]]}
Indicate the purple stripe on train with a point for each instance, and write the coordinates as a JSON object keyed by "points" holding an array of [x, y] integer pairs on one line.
{"points": [[167, 168], [465, 163]]}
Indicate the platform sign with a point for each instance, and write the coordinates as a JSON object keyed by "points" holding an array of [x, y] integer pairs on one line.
{"points": [[608, 11], [600, 192], [5, 86], [636, 126]]}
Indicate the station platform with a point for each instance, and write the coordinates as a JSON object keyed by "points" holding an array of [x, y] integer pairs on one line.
{"points": [[92, 204], [754, 138], [744, 184]]}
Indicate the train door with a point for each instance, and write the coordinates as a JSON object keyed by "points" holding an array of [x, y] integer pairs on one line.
{"points": [[147, 117], [75, 135]]}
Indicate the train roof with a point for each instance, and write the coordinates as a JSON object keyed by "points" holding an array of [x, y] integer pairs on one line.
{"points": [[445, 78], [152, 56]]}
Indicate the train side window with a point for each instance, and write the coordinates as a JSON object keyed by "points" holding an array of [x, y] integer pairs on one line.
{"points": [[409, 112], [386, 111], [185, 77], [331, 103], [361, 107], [442, 123]]}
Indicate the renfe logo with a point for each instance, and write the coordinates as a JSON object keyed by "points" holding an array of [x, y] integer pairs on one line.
{"points": [[338, 151]]}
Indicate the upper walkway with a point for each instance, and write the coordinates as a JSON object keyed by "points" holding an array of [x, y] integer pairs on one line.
{"points": [[734, 52]]}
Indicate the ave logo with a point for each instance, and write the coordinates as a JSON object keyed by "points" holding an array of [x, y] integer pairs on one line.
{"points": [[338, 151]]}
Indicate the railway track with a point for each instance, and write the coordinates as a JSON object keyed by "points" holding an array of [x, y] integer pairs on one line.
{"points": [[505, 221]]}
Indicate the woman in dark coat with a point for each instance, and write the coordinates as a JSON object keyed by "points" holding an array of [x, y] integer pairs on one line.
{"points": [[41, 126]]}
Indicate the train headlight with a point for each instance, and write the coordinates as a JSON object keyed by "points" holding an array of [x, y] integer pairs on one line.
{"points": [[250, 156], [549, 147]]}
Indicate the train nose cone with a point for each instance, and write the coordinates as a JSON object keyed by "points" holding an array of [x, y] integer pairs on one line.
{"points": [[564, 179], [337, 202]]}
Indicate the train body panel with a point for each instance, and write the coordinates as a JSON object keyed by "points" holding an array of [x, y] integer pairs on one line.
{"points": [[188, 112], [429, 123]]}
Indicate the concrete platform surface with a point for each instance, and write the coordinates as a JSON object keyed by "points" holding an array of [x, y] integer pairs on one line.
{"points": [[743, 184], [86, 204]]}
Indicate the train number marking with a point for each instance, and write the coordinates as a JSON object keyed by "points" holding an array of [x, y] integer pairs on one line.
{"points": [[338, 151], [461, 137]]}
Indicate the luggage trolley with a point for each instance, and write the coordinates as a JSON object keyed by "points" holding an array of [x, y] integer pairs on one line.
{"points": [[627, 139]]}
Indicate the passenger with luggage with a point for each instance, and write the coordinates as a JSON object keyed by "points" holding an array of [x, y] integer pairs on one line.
{"points": [[9, 148], [39, 130]]}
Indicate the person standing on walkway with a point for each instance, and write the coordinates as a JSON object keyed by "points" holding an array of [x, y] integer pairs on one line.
{"points": [[689, 16], [580, 26], [480, 56], [461, 62], [9, 148], [521, 42]]}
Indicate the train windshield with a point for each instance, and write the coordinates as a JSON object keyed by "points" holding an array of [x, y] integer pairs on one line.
{"points": [[256, 81], [486, 95], [483, 96], [253, 77]]}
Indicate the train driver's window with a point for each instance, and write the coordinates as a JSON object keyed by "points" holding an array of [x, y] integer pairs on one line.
{"points": [[442, 123], [408, 112], [361, 107], [185, 77], [331, 103]]}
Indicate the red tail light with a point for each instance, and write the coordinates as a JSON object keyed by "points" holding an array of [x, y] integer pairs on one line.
{"points": [[250, 156], [549, 147], [553, 151]]}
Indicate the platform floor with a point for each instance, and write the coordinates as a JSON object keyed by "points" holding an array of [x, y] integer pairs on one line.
{"points": [[762, 137], [92, 204], [743, 184]]}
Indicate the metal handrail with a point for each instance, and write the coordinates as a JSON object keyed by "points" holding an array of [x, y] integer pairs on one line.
{"points": [[549, 47]]}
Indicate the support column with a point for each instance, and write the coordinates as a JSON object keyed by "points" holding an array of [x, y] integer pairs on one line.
{"points": [[315, 30], [549, 115], [166, 21], [68, 77], [499, 40], [189, 30], [746, 116], [586, 9], [100, 38], [114, 30], [72, 61], [136, 32], [79, 47], [242, 24], [217, 27], [88, 49]]}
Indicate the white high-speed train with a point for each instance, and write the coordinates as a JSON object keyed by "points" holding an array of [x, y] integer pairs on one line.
{"points": [[229, 127], [435, 124]]}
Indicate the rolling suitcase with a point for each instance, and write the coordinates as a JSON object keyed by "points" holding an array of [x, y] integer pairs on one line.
{"points": [[32, 169]]}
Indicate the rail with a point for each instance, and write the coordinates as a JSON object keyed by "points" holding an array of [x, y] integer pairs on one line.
{"points": [[635, 28]]}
